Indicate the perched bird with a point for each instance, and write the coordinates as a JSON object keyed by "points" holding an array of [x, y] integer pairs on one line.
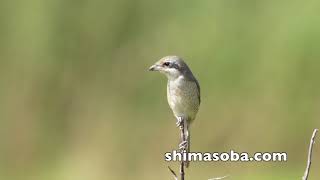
{"points": [[183, 93]]}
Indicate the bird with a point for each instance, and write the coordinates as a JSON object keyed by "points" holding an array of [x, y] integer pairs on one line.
{"points": [[183, 93]]}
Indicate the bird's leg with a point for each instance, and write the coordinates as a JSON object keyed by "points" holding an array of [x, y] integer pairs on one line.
{"points": [[184, 145], [181, 123]]}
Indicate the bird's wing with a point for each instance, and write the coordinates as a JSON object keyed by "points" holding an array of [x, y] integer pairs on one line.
{"points": [[198, 88]]}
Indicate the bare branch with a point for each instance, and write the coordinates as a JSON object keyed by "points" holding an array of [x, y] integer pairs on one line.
{"points": [[306, 173], [173, 173], [181, 122], [183, 139], [219, 178]]}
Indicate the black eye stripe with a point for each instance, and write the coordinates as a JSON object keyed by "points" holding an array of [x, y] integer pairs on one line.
{"points": [[171, 65], [166, 64]]}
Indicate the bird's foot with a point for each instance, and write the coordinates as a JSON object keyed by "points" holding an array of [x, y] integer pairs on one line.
{"points": [[183, 145], [179, 122]]}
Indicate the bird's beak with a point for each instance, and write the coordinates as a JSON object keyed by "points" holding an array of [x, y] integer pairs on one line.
{"points": [[154, 67]]}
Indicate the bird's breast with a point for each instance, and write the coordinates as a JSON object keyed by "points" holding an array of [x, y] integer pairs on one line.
{"points": [[183, 98]]}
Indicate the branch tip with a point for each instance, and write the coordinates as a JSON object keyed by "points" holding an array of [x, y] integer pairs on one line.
{"points": [[173, 173], [219, 178], [312, 141]]}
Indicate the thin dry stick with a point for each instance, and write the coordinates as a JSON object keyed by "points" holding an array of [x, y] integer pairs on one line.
{"points": [[306, 173], [219, 178], [173, 173], [183, 139]]}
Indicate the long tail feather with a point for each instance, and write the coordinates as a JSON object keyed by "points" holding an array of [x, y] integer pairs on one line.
{"points": [[187, 134]]}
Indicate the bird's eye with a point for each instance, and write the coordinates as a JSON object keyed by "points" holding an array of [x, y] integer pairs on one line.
{"points": [[166, 64]]}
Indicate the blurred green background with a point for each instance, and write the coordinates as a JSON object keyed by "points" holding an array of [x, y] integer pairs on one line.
{"points": [[77, 101]]}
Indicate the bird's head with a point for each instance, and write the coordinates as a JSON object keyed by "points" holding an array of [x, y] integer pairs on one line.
{"points": [[171, 66]]}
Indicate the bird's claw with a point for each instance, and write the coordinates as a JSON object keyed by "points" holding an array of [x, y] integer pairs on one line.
{"points": [[179, 122], [183, 145]]}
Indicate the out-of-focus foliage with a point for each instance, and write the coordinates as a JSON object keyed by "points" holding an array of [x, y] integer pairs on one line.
{"points": [[77, 102]]}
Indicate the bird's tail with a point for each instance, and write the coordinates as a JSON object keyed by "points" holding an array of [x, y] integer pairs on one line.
{"points": [[187, 134]]}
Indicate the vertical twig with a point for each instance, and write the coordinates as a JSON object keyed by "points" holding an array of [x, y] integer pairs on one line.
{"points": [[181, 122], [183, 139], [306, 173]]}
